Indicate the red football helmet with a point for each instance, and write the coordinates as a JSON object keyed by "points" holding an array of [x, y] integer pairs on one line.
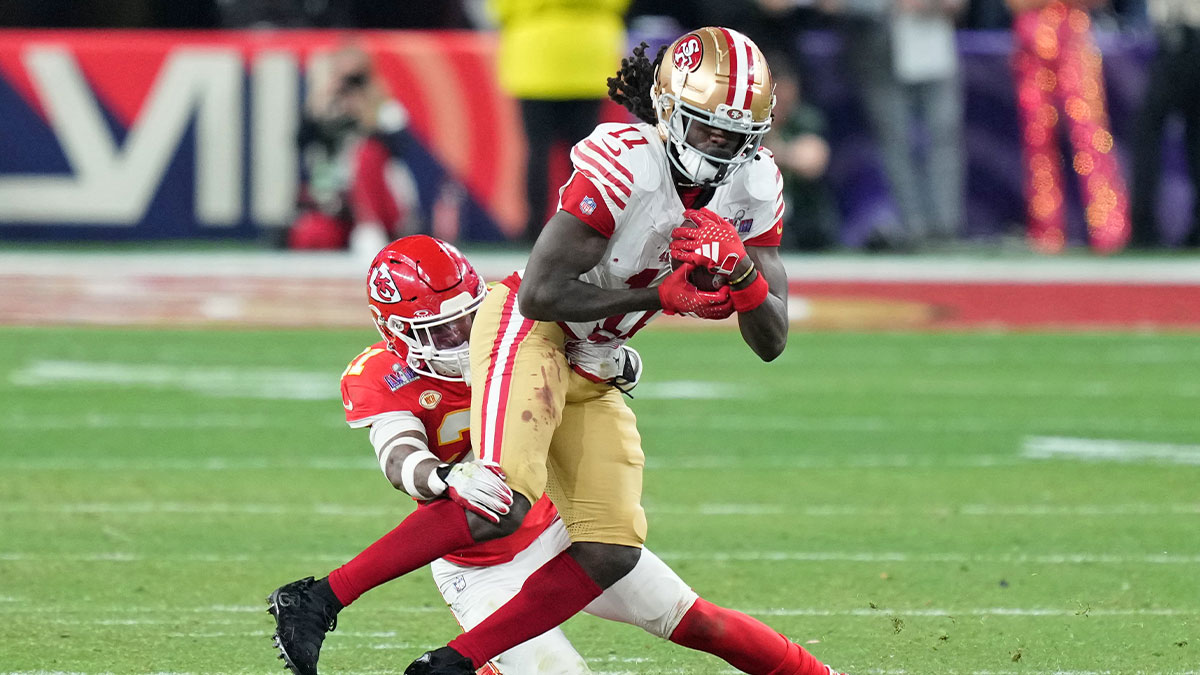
{"points": [[423, 292]]}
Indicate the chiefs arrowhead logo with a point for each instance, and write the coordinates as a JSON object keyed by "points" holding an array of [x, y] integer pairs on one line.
{"points": [[381, 287]]}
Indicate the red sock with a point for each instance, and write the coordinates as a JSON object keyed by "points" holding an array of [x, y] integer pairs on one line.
{"points": [[550, 596], [746, 643], [427, 534]]}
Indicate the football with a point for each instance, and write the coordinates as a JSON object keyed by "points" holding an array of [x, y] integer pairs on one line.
{"points": [[701, 278]]}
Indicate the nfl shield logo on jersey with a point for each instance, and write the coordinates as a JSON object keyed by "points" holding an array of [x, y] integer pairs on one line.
{"points": [[587, 205]]}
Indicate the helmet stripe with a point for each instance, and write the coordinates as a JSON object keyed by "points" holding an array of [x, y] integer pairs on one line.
{"points": [[741, 72], [749, 74], [734, 74]]}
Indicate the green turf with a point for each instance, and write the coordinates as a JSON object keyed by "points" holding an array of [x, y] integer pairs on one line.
{"points": [[865, 491]]}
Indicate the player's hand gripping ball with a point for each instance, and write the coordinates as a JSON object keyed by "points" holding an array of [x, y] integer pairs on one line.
{"points": [[700, 277]]}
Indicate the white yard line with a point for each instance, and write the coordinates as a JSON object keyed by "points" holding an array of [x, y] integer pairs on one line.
{"points": [[240, 463], [708, 556], [142, 616], [711, 509], [683, 390], [975, 611], [216, 381], [1102, 450], [949, 557], [145, 421], [714, 462]]}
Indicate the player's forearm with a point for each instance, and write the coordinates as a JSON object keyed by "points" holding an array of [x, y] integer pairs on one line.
{"points": [[404, 456], [764, 325], [765, 328], [415, 473], [575, 300]]}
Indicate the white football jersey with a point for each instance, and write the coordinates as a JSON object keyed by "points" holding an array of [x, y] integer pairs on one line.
{"points": [[627, 165]]}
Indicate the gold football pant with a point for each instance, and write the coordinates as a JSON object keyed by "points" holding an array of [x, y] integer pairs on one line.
{"points": [[552, 430]]}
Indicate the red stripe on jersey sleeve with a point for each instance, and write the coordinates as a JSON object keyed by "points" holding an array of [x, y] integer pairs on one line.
{"points": [[771, 237], [606, 153], [579, 157], [582, 199]]}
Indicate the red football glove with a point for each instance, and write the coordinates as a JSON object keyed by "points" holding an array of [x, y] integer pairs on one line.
{"points": [[713, 244], [679, 296]]}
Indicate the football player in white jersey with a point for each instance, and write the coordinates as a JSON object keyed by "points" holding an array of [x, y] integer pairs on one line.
{"points": [[546, 344], [411, 390]]}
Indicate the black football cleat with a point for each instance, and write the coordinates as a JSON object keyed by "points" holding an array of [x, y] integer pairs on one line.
{"points": [[441, 661], [302, 617]]}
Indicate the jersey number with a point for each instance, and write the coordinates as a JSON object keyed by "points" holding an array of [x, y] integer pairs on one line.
{"points": [[454, 426], [360, 362], [630, 136]]}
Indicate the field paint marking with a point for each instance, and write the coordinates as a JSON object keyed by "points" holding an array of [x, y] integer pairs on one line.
{"points": [[223, 382], [841, 556], [718, 509], [681, 390], [740, 557], [674, 671], [691, 463], [881, 612], [978, 611], [1096, 449], [200, 464], [932, 424], [150, 508], [95, 420]]}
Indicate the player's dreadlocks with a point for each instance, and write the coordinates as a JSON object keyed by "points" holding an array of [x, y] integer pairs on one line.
{"points": [[631, 86]]}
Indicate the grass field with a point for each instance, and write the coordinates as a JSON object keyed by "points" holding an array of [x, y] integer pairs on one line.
{"points": [[904, 503]]}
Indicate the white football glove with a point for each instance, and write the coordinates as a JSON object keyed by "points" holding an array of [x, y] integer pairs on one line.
{"points": [[631, 370], [612, 362], [477, 487]]}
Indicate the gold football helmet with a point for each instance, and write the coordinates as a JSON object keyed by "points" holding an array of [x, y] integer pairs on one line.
{"points": [[718, 77]]}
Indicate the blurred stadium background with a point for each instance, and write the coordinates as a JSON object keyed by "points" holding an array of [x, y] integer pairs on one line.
{"points": [[975, 457]]}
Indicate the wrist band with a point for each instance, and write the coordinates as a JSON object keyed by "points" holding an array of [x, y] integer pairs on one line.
{"points": [[744, 276], [750, 297]]}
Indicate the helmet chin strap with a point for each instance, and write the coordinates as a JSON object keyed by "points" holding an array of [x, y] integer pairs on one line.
{"points": [[694, 166]]}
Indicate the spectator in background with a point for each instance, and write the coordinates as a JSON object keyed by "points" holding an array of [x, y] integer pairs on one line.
{"points": [[667, 17], [987, 15], [555, 59], [1059, 78], [407, 14], [905, 59], [797, 138], [1174, 86], [358, 192]]}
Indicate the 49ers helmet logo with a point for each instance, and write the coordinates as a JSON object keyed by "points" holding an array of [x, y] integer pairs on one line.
{"points": [[687, 53], [381, 286]]}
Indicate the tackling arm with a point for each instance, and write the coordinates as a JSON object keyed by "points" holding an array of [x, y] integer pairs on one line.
{"points": [[765, 327], [403, 452], [551, 289], [404, 456]]}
